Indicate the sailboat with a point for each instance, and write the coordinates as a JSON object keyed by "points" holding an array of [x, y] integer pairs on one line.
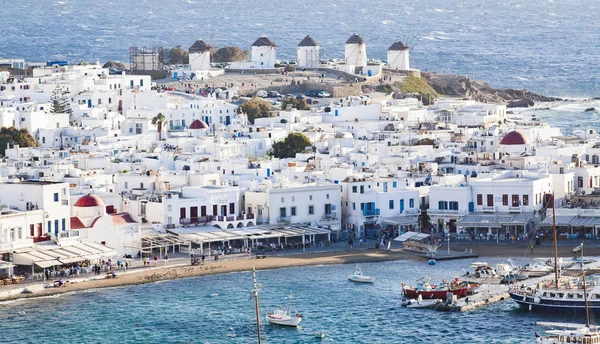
{"points": [[285, 316], [578, 333], [566, 298]]}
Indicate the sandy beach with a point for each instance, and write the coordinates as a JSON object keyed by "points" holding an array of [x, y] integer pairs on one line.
{"points": [[182, 269]]}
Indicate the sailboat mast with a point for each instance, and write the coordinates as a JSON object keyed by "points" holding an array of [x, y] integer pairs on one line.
{"points": [[555, 245], [585, 298], [255, 290]]}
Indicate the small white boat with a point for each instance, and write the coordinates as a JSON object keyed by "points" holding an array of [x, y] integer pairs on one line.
{"points": [[285, 316], [358, 276], [320, 334], [537, 269], [420, 303]]}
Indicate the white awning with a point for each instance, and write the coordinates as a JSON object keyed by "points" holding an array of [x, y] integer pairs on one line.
{"points": [[411, 236], [48, 263]]}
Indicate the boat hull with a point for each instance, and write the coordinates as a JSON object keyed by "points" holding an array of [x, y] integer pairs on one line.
{"points": [[361, 279], [287, 321], [544, 305], [435, 294]]}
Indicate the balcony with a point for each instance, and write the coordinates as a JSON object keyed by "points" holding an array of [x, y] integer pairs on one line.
{"points": [[413, 211], [194, 221], [177, 128], [488, 209], [330, 216], [516, 209], [371, 212], [284, 219]]}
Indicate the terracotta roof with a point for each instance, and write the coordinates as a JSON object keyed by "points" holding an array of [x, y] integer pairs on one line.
{"points": [[199, 47], [514, 138], [89, 200], [122, 219], [263, 41], [355, 39], [308, 42], [76, 223], [198, 124], [398, 45]]}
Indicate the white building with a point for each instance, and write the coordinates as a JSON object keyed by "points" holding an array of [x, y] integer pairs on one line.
{"points": [[397, 56], [308, 53]]}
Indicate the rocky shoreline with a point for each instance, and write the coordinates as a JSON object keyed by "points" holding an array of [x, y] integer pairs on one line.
{"points": [[454, 85]]}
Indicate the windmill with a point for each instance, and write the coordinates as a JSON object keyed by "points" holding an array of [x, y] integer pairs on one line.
{"points": [[264, 52], [398, 52], [200, 55]]}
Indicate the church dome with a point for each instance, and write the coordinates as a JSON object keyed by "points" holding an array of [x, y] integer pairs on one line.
{"points": [[514, 138], [89, 200], [198, 124]]}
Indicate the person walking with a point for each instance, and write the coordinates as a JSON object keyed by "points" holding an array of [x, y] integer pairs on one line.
{"points": [[203, 257]]}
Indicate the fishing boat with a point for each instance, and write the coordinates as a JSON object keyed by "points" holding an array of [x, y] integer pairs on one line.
{"points": [[419, 302], [358, 276], [426, 290], [285, 316]]}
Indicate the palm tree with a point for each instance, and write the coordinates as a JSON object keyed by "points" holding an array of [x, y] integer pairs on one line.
{"points": [[158, 121]]}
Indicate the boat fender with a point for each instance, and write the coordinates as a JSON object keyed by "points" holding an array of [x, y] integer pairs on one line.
{"points": [[537, 299]]}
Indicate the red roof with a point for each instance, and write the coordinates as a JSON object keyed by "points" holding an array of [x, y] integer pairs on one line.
{"points": [[514, 138], [76, 223], [198, 124], [122, 219], [89, 200]]}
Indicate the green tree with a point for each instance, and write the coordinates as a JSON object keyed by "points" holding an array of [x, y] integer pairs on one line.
{"points": [[299, 104], [60, 100], [425, 142], [178, 55], [159, 120], [255, 108], [113, 64], [228, 54], [15, 137], [288, 148]]}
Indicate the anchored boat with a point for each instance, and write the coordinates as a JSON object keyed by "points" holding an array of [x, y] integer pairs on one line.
{"points": [[285, 316], [358, 276]]}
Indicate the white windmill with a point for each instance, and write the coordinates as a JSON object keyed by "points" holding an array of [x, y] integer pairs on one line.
{"points": [[356, 51], [397, 56], [200, 55], [308, 53], [264, 52]]}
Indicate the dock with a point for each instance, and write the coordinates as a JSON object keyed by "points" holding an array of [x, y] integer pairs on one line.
{"points": [[452, 255]]}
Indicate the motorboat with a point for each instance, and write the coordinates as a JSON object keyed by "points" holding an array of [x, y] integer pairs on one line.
{"points": [[285, 316], [537, 269], [419, 302], [568, 333], [358, 276], [482, 272], [426, 290]]}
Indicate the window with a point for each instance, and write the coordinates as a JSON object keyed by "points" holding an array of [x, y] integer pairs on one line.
{"points": [[453, 205], [310, 197], [64, 225], [391, 204], [293, 198], [327, 196], [282, 212], [525, 199], [515, 200], [56, 197], [126, 185], [293, 211], [504, 199], [394, 184], [282, 199], [362, 206], [490, 200], [353, 206], [328, 209], [411, 203], [479, 199], [49, 228], [311, 210], [169, 208], [362, 189], [354, 188], [579, 182]]}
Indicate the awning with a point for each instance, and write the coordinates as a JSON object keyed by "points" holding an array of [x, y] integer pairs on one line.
{"points": [[5, 265], [497, 220], [414, 236], [573, 221], [48, 263], [402, 220]]}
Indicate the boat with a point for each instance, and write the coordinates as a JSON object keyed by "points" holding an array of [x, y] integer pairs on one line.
{"points": [[419, 302], [358, 276], [285, 316], [482, 272], [426, 290], [320, 334], [537, 269]]}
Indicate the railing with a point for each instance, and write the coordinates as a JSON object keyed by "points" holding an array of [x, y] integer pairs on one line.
{"points": [[446, 212], [177, 128], [195, 220], [284, 219], [413, 211], [329, 216], [514, 209], [40, 239], [371, 212], [486, 208]]}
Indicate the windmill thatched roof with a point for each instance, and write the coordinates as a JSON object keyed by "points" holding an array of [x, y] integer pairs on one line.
{"points": [[355, 39], [398, 45], [308, 42], [199, 46], [263, 41]]}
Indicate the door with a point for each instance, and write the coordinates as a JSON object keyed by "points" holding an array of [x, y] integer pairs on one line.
{"points": [[194, 212], [223, 210], [215, 209], [89, 103], [227, 120], [471, 207], [401, 206], [203, 210], [182, 213]]}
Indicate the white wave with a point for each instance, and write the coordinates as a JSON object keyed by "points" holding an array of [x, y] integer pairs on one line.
{"points": [[443, 11], [521, 78], [439, 32], [386, 22]]}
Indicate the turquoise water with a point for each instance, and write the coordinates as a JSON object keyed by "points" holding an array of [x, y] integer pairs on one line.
{"points": [[218, 309]]}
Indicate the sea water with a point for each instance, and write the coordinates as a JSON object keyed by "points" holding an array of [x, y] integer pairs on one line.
{"points": [[219, 309]]}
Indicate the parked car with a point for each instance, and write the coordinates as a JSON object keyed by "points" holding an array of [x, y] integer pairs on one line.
{"points": [[311, 93], [261, 93], [311, 101], [273, 94], [324, 94]]}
